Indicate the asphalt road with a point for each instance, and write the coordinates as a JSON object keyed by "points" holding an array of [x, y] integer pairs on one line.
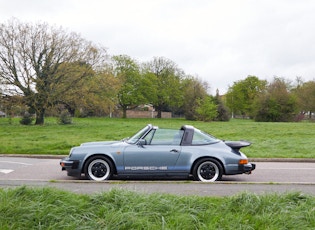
{"points": [[269, 177]]}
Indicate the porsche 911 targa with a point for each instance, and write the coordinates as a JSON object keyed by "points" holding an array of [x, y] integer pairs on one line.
{"points": [[163, 153]]}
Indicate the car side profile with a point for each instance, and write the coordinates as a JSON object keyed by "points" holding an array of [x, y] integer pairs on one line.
{"points": [[164, 153]]}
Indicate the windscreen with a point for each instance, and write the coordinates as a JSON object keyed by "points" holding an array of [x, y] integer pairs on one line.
{"points": [[138, 135]]}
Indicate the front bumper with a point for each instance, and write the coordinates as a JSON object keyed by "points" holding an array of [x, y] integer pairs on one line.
{"points": [[65, 163], [71, 166]]}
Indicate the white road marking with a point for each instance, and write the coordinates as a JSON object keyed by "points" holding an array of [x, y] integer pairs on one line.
{"points": [[14, 162], [6, 171]]}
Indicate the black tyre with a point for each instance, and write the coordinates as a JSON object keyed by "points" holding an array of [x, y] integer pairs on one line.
{"points": [[98, 168], [207, 170]]}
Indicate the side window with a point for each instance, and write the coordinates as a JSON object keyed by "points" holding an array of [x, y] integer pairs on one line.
{"points": [[167, 137]]}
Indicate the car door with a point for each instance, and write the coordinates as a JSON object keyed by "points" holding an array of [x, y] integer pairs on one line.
{"points": [[158, 155]]}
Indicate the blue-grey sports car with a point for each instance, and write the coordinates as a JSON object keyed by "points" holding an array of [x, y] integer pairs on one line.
{"points": [[156, 152]]}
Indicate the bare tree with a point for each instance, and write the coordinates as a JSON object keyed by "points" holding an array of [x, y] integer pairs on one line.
{"points": [[33, 59]]}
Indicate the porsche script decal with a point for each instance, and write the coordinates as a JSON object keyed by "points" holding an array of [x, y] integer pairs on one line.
{"points": [[150, 168]]}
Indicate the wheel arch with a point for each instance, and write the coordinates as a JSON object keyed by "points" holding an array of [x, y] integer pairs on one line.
{"points": [[206, 158], [99, 155]]}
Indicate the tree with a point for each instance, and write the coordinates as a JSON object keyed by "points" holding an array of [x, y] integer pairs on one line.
{"points": [[194, 90], [12, 106], [241, 96], [31, 57], [130, 93], [306, 97], [93, 96], [277, 103], [166, 77], [206, 109], [222, 111]]}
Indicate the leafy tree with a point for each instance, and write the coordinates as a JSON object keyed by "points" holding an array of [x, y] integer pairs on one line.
{"points": [[98, 95], [306, 97], [206, 109], [277, 103], [166, 81], [32, 55], [241, 96], [130, 93], [194, 90], [69, 89]]}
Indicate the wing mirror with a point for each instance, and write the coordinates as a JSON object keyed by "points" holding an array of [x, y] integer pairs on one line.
{"points": [[142, 142]]}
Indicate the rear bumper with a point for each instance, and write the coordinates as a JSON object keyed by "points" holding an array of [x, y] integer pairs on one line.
{"points": [[248, 168]]}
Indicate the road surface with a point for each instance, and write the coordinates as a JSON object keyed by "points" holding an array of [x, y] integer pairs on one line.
{"points": [[278, 177]]}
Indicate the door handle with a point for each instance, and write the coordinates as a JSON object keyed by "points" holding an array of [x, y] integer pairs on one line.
{"points": [[174, 151]]}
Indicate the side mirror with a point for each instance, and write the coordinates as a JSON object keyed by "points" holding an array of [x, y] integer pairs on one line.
{"points": [[142, 142]]}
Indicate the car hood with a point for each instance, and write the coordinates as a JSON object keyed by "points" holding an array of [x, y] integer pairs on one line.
{"points": [[99, 143], [237, 144]]}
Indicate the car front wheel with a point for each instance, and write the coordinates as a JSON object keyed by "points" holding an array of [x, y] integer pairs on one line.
{"points": [[207, 170], [98, 168]]}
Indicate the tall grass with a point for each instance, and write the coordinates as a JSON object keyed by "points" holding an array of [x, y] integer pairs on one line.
{"points": [[294, 140], [47, 208]]}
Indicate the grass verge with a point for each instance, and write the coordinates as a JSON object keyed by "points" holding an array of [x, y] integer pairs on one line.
{"points": [[48, 208], [269, 140]]}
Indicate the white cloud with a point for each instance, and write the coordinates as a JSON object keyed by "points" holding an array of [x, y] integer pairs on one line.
{"points": [[221, 41]]}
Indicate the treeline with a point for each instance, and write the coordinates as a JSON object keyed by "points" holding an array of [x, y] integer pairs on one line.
{"points": [[279, 100], [46, 70]]}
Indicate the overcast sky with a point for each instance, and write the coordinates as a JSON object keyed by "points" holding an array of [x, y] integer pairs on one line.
{"points": [[219, 41]]}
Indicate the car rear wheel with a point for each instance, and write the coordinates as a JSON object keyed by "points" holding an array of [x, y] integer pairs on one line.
{"points": [[98, 168], [207, 170]]}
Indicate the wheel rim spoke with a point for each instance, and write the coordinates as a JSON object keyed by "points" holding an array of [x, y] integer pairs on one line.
{"points": [[207, 171], [99, 170]]}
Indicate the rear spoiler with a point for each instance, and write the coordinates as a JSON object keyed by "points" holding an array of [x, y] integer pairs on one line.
{"points": [[237, 144]]}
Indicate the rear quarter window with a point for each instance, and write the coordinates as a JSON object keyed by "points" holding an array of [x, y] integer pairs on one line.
{"points": [[201, 138]]}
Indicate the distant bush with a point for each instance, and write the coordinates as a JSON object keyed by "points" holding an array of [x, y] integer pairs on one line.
{"points": [[223, 113], [65, 118], [27, 119]]}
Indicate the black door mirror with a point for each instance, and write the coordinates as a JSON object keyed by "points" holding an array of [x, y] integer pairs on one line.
{"points": [[142, 142]]}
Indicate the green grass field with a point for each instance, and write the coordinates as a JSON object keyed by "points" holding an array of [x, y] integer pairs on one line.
{"points": [[47, 208], [269, 140]]}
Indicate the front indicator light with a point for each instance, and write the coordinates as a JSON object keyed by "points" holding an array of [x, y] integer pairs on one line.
{"points": [[243, 162]]}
